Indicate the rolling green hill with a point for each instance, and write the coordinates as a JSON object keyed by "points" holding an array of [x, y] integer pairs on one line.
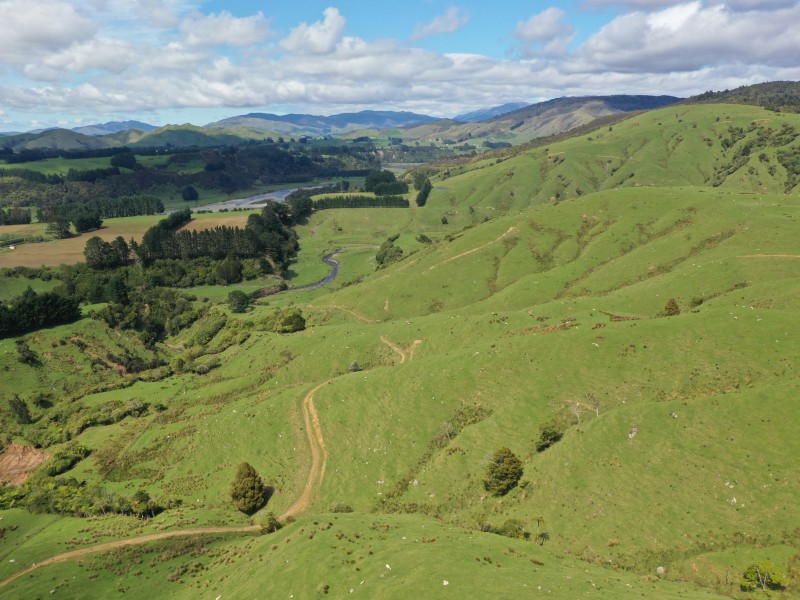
{"points": [[775, 95], [55, 139], [635, 287]]}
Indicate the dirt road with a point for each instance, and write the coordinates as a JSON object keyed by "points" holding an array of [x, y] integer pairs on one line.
{"points": [[319, 458]]}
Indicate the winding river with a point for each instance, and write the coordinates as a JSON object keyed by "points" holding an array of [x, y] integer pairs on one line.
{"points": [[329, 260]]}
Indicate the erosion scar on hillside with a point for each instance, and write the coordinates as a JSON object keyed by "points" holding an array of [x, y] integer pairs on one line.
{"points": [[17, 462]]}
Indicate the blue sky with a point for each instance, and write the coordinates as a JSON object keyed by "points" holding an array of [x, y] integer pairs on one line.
{"points": [[72, 62]]}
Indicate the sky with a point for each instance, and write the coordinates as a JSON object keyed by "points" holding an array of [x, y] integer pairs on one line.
{"points": [[66, 63]]}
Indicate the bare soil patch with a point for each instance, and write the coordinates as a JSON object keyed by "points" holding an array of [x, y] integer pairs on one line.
{"points": [[18, 461]]}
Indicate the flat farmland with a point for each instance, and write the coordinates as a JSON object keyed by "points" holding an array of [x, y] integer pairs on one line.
{"points": [[70, 251], [210, 221]]}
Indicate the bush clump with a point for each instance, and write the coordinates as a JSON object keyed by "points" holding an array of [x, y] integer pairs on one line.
{"points": [[248, 491], [503, 472], [762, 575]]}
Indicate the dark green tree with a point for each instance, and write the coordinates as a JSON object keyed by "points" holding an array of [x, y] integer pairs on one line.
{"points": [[238, 301], [424, 192], [229, 270], [549, 434], [292, 322], [126, 160], [503, 472], [19, 410], [98, 253], [248, 491], [58, 228], [388, 253], [762, 575], [419, 180], [376, 178], [189, 194], [85, 220]]}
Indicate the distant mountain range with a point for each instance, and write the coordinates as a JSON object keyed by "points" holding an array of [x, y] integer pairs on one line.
{"points": [[113, 127], [510, 123], [533, 121], [310, 125], [488, 113]]}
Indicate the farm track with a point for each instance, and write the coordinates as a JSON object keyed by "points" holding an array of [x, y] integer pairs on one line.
{"points": [[319, 458], [405, 355], [319, 455], [80, 553], [512, 229]]}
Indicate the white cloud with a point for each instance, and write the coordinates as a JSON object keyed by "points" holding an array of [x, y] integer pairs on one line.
{"points": [[100, 67], [99, 53], [689, 37], [453, 20], [545, 33], [758, 5], [170, 58], [163, 14], [30, 30], [160, 12], [318, 38], [223, 28]]}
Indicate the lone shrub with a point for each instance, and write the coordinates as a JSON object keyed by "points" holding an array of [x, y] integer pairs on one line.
{"points": [[238, 301], [248, 491], [270, 524], [503, 472], [549, 434], [292, 322], [762, 575], [513, 528], [19, 410], [671, 308]]}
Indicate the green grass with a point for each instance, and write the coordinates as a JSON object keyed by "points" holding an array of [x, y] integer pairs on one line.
{"points": [[60, 166], [545, 305], [10, 287], [358, 555]]}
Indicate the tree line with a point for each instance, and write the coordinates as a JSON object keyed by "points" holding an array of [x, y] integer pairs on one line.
{"points": [[267, 234], [15, 216], [30, 311]]}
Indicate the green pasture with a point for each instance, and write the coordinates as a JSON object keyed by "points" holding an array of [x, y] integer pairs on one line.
{"points": [[10, 287], [60, 165], [353, 555], [679, 432]]}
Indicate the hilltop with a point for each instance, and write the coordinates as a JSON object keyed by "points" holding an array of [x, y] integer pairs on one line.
{"points": [[774, 95], [633, 288]]}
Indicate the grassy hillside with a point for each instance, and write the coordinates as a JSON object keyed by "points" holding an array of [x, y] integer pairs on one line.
{"points": [[775, 95], [532, 304], [738, 148], [59, 139]]}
